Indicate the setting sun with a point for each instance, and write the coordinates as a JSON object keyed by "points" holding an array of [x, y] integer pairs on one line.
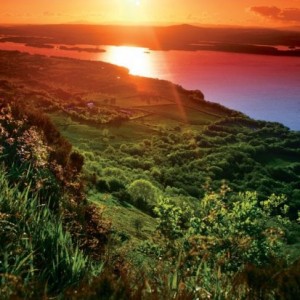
{"points": [[133, 2]]}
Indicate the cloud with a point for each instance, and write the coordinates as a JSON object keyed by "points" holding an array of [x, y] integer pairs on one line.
{"points": [[275, 13], [292, 14]]}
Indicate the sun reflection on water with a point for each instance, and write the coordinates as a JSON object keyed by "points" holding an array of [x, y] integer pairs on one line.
{"points": [[136, 59]]}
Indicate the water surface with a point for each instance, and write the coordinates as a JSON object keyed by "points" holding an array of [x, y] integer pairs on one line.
{"points": [[263, 87]]}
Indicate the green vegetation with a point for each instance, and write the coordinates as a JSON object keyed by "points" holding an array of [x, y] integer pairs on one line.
{"points": [[170, 196], [40, 253], [215, 242], [35, 245], [254, 156], [246, 233]]}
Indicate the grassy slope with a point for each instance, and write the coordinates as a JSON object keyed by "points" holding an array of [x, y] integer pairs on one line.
{"points": [[54, 84]]}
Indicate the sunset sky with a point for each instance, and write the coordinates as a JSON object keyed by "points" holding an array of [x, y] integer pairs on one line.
{"points": [[266, 13]]}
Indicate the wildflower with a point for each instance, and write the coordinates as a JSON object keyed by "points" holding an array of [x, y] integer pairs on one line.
{"points": [[10, 141]]}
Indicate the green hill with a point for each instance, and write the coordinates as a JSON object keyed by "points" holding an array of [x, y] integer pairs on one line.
{"points": [[179, 197]]}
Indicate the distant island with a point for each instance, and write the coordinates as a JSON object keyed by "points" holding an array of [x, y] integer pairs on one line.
{"points": [[42, 42], [37, 45], [92, 50]]}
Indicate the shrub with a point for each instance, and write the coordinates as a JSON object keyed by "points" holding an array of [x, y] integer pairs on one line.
{"points": [[122, 196], [76, 161], [229, 233], [143, 193], [102, 185], [115, 185]]}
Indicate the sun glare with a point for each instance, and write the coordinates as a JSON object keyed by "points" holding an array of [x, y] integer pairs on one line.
{"points": [[134, 58], [135, 2]]}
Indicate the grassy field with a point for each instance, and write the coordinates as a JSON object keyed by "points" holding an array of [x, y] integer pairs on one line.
{"points": [[182, 114]]}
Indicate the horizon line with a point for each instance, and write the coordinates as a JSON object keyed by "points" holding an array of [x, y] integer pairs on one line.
{"points": [[156, 24]]}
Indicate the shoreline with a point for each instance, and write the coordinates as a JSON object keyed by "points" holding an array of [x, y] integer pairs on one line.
{"points": [[218, 47], [188, 90]]}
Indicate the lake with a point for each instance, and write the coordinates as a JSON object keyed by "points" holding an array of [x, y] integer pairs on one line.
{"points": [[263, 87]]}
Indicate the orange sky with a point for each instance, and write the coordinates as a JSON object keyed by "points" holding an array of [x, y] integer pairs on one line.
{"points": [[232, 12]]}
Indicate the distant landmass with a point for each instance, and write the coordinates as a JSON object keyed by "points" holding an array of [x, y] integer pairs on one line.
{"points": [[176, 37], [96, 50]]}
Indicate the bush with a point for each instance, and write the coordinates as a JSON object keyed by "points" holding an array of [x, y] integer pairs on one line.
{"points": [[115, 185], [102, 185], [122, 196], [229, 233], [143, 193]]}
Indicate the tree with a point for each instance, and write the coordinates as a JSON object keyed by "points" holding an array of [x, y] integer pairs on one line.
{"points": [[143, 193], [229, 233]]}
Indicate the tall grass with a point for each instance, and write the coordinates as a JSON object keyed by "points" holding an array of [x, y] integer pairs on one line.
{"points": [[35, 250]]}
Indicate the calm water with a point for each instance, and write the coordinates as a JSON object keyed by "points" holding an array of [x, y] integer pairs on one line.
{"points": [[263, 87]]}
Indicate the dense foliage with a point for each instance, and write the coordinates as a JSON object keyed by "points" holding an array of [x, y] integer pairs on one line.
{"points": [[249, 155], [40, 252], [212, 244]]}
